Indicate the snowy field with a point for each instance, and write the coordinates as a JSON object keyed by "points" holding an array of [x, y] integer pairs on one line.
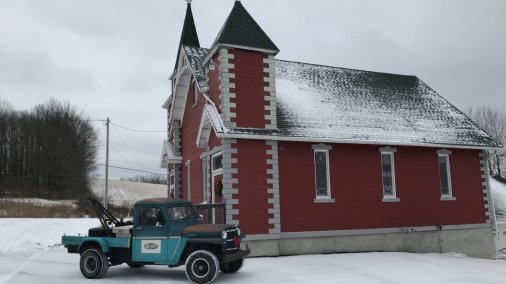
{"points": [[30, 253], [125, 193]]}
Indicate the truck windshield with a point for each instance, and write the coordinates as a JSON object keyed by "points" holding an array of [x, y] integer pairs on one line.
{"points": [[181, 212]]}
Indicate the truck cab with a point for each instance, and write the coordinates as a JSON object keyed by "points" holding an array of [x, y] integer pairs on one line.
{"points": [[163, 232]]}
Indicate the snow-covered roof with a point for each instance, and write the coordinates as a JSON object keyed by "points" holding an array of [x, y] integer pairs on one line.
{"points": [[345, 104], [323, 103], [196, 56], [168, 155]]}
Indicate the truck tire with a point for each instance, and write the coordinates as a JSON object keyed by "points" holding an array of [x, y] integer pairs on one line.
{"points": [[94, 263], [202, 267], [233, 266]]}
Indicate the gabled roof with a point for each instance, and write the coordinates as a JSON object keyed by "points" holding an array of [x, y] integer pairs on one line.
{"points": [[189, 34], [168, 156], [240, 29]]}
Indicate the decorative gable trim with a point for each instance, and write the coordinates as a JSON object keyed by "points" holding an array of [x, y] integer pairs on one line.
{"points": [[210, 119]]}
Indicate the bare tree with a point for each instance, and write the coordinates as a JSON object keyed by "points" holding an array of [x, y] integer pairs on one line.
{"points": [[49, 152], [494, 123]]}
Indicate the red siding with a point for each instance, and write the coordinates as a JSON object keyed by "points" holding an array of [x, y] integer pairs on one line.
{"points": [[189, 150], [249, 88], [214, 83], [356, 186], [252, 177]]}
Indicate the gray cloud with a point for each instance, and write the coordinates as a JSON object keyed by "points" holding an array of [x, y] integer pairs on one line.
{"points": [[112, 58]]}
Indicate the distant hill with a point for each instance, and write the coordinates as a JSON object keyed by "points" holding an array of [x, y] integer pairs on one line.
{"points": [[126, 193]]}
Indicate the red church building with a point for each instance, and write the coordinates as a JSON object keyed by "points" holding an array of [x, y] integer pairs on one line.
{"points": [[315, 159]]}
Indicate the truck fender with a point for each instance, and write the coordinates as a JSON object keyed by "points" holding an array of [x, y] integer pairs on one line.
{"points": [[92, 242]]}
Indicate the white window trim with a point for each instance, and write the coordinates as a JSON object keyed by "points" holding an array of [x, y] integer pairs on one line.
{"points": [[195, 93], [389, 198], [324, 149], [188, 180], [172, 177], [220, 170], [446, 197], [205, 176]]}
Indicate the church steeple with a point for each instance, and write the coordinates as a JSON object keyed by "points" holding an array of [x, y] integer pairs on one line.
{"points": [[240, 29], [189, 34]]}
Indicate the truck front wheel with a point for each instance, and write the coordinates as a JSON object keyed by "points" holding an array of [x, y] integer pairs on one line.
{"points": [[94, 263], [202, 267], [233, 266]]}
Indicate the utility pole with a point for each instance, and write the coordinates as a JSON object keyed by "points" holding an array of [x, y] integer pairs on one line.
{"points": [[106, 194]]}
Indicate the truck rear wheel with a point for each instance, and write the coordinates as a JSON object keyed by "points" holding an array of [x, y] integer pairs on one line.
{"points": [[202, 267], [94, 263], [233, 266]]}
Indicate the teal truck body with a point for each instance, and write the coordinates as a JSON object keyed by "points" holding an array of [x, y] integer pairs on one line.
{"points": [[163, 232]]}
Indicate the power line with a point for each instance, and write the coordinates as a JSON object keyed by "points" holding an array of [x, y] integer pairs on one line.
{"points": [[133, 170], [137, 130], [130, 150]]}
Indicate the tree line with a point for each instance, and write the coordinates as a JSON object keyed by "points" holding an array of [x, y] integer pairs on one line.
{"points": [[154, 179], [494, 123], [48, 152]]}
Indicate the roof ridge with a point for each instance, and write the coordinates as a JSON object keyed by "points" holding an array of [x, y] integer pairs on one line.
{"points": [[347, 68]]}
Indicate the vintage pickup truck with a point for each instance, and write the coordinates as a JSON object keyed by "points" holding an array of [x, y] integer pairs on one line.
{"points": [[163, 232]]}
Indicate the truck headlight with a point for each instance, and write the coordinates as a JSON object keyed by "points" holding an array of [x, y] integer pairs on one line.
{"points": [[224, 235]]}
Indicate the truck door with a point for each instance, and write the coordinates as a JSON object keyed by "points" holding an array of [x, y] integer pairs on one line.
{"points": [[151, 234]]}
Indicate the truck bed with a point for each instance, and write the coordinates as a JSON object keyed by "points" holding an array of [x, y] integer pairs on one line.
{"points": [[73, 243]]}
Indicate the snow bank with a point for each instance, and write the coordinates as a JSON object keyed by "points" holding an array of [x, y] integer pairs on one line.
{"points": [[499, 198]]}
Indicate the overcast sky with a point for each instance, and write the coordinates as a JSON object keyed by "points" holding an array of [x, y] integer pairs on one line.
{"points": [[112, 58]]}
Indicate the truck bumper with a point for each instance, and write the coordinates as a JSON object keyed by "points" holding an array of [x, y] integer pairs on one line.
{"points": [[236, 255]]}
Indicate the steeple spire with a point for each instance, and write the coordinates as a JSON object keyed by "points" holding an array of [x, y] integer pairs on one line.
{"points": [[240, 29], [189, 34]]}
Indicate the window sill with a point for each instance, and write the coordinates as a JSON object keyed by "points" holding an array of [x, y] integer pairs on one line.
{"points": [[448, 198], [324, 200], [390, 199]]}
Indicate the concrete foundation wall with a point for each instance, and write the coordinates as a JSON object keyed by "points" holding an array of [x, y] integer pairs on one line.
{"points": [[501, 236], [473, 242]]}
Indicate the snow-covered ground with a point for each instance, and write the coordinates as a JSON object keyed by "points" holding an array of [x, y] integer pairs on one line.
{"points": [[30, 253]]}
